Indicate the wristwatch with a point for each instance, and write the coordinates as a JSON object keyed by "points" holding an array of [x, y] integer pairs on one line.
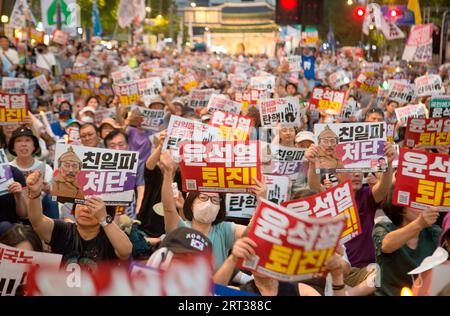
{"points": [[106, 221]]}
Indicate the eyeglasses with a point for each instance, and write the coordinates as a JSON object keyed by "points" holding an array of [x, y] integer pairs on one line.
{"points": [[328, 141], [214, 199], [68, 165]]}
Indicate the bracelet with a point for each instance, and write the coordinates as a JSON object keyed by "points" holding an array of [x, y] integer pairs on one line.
{"points": [[338, 287]]}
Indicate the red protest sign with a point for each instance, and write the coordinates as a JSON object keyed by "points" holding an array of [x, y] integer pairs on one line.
{"points": [[337, 201], [423, 180], [60, 37], [428, 132], [13, 108], [291, 247], [331, 101], [232, 126], [220, 166]]}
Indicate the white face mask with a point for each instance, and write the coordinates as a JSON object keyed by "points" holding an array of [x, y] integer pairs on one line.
{"points": [[205, 212]]}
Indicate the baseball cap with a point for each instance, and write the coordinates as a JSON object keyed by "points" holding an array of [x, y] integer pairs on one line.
{"points": [[186, 240], [305, 135], [156, 100], [87, 109]]}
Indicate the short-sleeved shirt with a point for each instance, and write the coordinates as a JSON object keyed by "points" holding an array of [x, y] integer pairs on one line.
{"points": [[222, 240], [8, 203], [360, 250], [394, 267], [140, 141], [67, 241]]}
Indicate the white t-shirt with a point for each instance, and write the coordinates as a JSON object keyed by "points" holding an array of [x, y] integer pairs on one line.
{"points": [[13, 56], [37, 165], [46, 61]]}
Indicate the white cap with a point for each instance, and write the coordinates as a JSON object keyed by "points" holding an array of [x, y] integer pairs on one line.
{"points": [[305, 135], [87, 109]]}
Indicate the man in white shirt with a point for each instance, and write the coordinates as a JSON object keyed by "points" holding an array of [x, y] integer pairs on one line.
{"points": [[8, 56], [44, 58]]}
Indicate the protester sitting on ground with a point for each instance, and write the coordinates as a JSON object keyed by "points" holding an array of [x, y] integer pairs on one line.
{"points": [[402, 244], [94, 237]]}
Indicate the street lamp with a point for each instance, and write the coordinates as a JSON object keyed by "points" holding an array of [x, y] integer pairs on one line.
{"points": [[148, 9], [193, 4], [350, 2], [5, 19], [206, 29]]}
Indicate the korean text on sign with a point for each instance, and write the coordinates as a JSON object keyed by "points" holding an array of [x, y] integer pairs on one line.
{"points": [[327, 100], [231, 126], [423, 180], [221, 103], [337, 201], [83, 172], [13, 108], [220, 166], [440, 106], [290, 247], [285, 111], [128, 93], [428, 132]]}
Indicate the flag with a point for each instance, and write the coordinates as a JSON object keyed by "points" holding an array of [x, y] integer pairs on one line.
{"points": [[414, 6], [20, 14], [96, 20], [130, 11]]}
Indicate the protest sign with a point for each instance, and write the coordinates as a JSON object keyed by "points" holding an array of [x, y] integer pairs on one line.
{"points": [[390, 132], [419, 47], [431, 132], [368, 83], [440, 106], [102, 113], [149, 88], [310, 38], [188, 82], [291, 248], [339, 78], [266, 83], [181, 129], [123, 75], [13, 108], [199, 98], [58, 99], [413, 110], [15, 263], [402, 92], [15, 85], [153, 119], [349, 110], [429, 85], [336, 201], [283, 111], [78, 73], [127, 92], [114, 280], [282, 160], [82, 172], [219, 102], [6, 177], [250, 97], [327, 100], [42, 82], [37, 36], [238, 81], [60, 37], [295, 63], [351, 147], [220, 166], [231, 126], [244, 205], [423, 180], [73, 135]]}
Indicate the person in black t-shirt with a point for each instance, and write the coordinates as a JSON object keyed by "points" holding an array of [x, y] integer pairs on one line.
{"points": [[94, 237]]}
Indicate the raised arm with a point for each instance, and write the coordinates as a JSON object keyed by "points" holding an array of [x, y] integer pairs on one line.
{"points": [[399, 237], [313, 179], [152, 160], [382, 187], [168, 167], [119, 240], [42, 224]]}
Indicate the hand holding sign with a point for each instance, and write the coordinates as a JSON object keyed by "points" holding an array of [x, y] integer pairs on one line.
{"points": [[96, 205], [167, 163], [15, 188], [389, 152], [428, 217], [259, 189], [243, 248]]}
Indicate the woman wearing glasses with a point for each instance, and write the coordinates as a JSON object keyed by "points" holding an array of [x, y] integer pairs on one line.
{"points": [[204, 212]]}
